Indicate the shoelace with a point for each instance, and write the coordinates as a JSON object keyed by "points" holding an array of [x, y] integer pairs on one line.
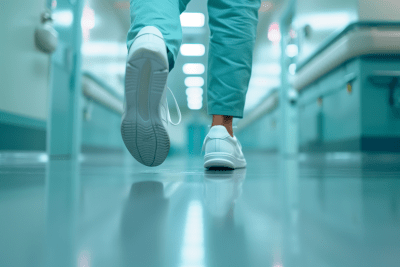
{"points": [[177, 109]]}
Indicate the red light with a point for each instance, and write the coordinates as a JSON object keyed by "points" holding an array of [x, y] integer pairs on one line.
{"points": [[274, 34]]}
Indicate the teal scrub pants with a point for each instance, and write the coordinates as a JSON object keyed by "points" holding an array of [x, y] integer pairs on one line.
{"points": [[233, 26]]}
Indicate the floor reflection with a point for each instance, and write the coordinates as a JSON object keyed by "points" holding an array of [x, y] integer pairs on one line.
{"points": [[224, 235], [143, 225], [290, 224], [62, 203], [319, 210]]}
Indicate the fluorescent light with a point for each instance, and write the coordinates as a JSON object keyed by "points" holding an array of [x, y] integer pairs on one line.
{"points": [[193, 68], [87, 22], [292, 50], [192, 49], [63, 18], [194, 91], [274, 34], [88, 18], [195, 105], [194, 81], [192, 19], [195, 99]]}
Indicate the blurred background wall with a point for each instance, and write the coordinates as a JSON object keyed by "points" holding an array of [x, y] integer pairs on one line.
{"points": [[289, 35]]}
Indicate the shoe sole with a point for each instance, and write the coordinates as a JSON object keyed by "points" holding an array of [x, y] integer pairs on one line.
{"points": [[142, 130], [222, 160]]}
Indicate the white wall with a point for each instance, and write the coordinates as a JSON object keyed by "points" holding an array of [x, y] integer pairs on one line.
{"points": [[23, 69], [324, 18]]}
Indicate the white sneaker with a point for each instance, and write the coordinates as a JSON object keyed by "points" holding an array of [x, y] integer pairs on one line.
{"points": [[222, 150], [146, 115]]}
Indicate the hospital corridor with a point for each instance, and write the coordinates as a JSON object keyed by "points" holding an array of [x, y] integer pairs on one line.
{"points": [[218, 133]]}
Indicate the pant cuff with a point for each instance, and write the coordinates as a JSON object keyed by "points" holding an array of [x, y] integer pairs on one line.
{"points": [[233, 113]]}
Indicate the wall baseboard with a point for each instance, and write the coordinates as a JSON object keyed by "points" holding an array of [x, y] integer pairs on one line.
{"points": [[89, 149], [365, 143], [20, 120], [21, 133], [18, 137]]}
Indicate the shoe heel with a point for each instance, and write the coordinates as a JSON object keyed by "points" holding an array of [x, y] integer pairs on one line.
{"points": [[146, 76], [218, 160]]}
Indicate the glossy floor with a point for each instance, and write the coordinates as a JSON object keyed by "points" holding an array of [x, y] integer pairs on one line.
{"points": [[335, 209]]}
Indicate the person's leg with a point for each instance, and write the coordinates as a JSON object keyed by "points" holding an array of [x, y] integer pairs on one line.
{"points": [[233, 26], [223, 120], [163, 14], [153, 42]]}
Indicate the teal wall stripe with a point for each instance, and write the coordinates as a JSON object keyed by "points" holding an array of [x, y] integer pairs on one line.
{"points": [[19, 137], [14, 119]]}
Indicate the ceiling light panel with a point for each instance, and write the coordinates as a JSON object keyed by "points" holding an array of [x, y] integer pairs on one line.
{"points": [[194, 81], [193, 50], [192, 19], [193, 68]]}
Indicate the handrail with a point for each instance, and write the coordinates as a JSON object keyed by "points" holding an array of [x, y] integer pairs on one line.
{"points": [[97, 90], [102, 84], [267, 106], [340, 33], [365, 41]]}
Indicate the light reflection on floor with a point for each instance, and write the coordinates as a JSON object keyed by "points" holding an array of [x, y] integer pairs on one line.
{"points": [[332, 209]]}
